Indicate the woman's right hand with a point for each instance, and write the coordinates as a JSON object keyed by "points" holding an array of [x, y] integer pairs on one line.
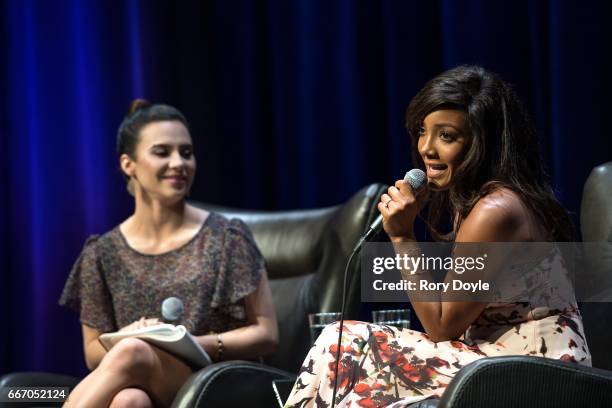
{"points": [[399, 207], [141, 323]]}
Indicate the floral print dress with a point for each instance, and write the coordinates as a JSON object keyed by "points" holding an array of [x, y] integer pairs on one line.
{"points": [[384, 366]]}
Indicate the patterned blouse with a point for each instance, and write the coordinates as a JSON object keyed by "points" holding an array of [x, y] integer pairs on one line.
{"points": [[111, 284]]}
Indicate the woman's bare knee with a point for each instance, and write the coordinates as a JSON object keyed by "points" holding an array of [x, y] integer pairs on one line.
{"points": [[131, 397], [130, 356], [136, 364]]}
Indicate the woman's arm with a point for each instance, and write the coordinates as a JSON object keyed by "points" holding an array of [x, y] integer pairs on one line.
{"points": [[498, 217], [94, 351], [258, 338]]}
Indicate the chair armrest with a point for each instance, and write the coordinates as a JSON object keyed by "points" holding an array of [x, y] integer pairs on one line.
{"points": [[231, 384], [522, 381], [36, 379]]}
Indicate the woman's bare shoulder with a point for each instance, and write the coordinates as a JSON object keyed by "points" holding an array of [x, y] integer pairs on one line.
{"points": [[499, 216], [502, 201]]}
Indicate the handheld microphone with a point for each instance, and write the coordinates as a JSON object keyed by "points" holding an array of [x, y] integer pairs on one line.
{"points": [[417, 180], [172, 309]]}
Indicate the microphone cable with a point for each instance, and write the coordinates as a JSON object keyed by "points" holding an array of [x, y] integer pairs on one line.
{"points": [[343, 306], [416, 178]]}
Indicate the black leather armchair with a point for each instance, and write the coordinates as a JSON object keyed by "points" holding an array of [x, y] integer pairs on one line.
{"points": [[519, 381], [596, 226], [306, 252]]}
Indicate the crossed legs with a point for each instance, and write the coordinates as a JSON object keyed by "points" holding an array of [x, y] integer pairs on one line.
{"points": [[133, 373], [131, 397]]}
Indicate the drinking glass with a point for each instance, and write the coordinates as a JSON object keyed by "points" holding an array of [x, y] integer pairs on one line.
{"points": [[396, 317], [318, 321]]}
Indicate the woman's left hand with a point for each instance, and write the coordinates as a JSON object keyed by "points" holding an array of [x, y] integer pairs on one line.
{"points": [[141, 323], [399, 207]]}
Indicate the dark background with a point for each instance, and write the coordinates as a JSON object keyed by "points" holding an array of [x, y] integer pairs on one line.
{"points": [[292, 104]]}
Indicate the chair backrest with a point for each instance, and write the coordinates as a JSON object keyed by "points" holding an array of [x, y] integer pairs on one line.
{"points": [[306, 252], [596, 226]]}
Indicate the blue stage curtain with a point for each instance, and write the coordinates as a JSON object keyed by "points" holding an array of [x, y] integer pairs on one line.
{"points": [[291, 103]]}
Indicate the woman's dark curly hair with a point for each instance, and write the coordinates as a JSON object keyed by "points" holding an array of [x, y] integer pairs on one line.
{"points": [[504, 150]]}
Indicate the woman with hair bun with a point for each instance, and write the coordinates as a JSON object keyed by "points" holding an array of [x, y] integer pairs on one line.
{"points": [[166, 248], [477, 146]]}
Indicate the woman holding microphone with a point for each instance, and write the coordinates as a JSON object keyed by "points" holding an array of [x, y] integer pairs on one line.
{"points": [[477, 146], [166, 248]]}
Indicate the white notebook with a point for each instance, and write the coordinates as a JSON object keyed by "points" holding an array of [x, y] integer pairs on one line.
{"points": [[173, 339]]}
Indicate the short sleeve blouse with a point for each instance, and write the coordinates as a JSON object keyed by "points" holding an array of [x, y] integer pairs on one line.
{"points": [[111, 284]]}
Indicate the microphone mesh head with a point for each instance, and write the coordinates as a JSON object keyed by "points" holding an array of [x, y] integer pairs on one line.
{"points": [[172, 309], [416, 178]]}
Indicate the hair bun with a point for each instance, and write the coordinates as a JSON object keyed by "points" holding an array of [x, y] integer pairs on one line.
{"points": [[138, 104]]}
